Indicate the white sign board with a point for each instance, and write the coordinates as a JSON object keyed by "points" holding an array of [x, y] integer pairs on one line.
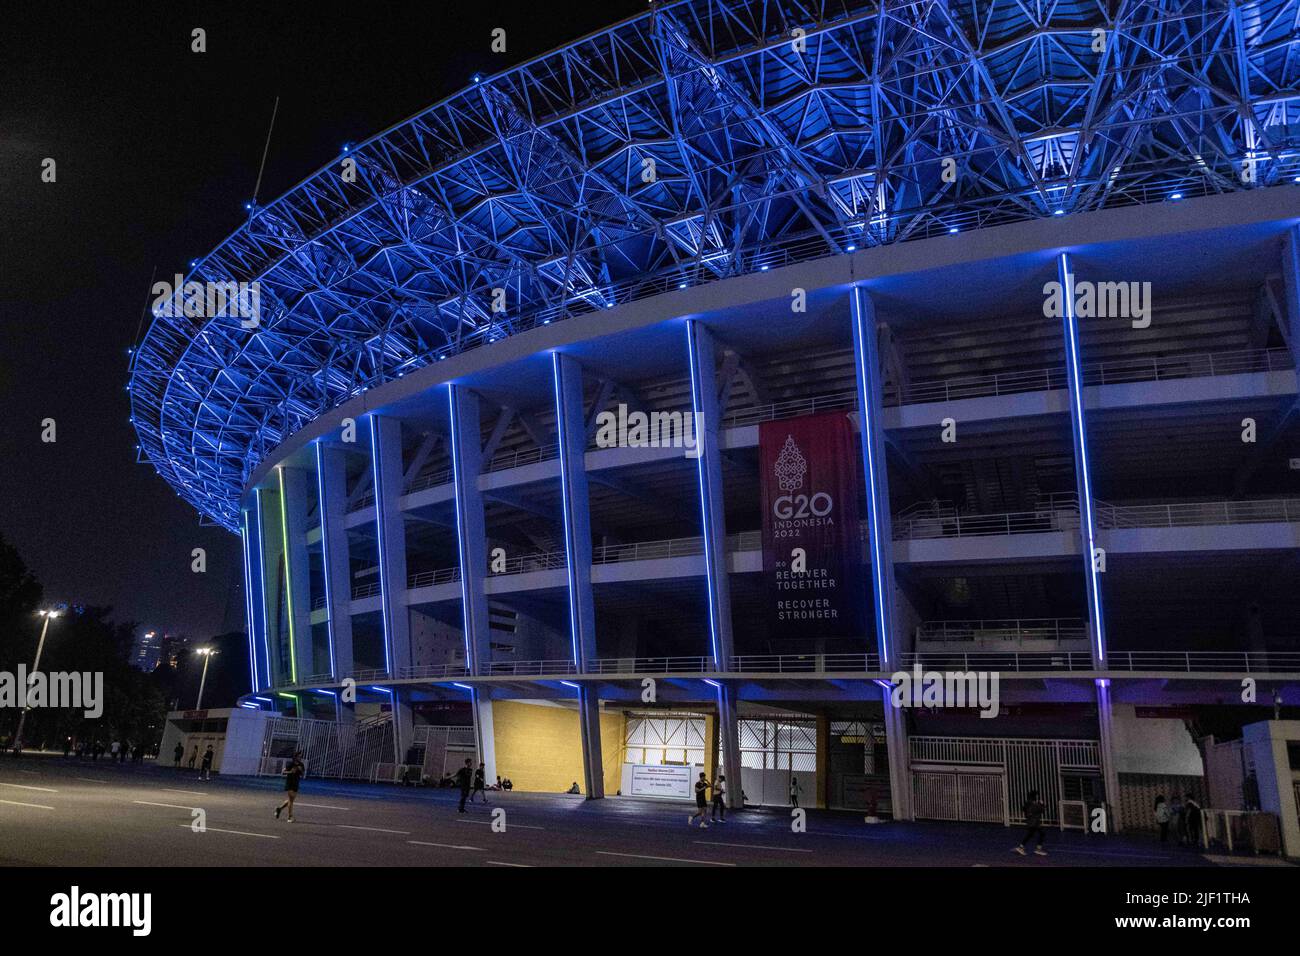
{"points": [[653, 780]]}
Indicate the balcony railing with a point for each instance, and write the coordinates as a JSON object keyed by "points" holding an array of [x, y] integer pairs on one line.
{"points": [[791, 408], [1197, 513], [805, 663], [366, 590], [425, 579], [1114, 372], [1061, 515], [1179, 662], [1023, 629]]}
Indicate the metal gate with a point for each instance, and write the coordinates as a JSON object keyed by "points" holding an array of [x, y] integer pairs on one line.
{"points": [[1022, 766], [956, 795]]}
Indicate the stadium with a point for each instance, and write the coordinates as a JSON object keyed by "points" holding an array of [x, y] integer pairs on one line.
{"points": [[651, 406]]}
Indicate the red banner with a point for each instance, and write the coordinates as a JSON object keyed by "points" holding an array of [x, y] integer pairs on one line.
{"points": [[812, 541]]}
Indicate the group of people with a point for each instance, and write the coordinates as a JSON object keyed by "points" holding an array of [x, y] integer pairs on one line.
{"points": [[718, 814], [1183, 816], [119, 751], [205, 766]]}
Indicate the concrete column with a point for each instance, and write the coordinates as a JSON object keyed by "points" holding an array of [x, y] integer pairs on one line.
{"points": [[403, 723], [271, 553], [471, 528], [255, 603], [704, 404], [1267, 742], [1291, 284], [295, 500], [386, 460], [1082, 464], [1106, 744], [1088, 532], [485, 735], [880, 536], [729, 740], [331, 488], [570, 422]]}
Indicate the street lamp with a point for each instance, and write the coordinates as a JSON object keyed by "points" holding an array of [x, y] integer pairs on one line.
{"points": [[49, 614], [208, 653]]}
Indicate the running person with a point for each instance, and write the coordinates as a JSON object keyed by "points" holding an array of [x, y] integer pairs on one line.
{"points": [[464, 779], [1033, 809], [701, 803], [480, 783], [293, 775]]}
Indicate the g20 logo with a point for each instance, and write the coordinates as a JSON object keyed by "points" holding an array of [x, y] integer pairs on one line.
{"points": [[796, 507]]}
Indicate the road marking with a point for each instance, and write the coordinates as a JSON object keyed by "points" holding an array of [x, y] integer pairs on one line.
{"points": [[375, 829], [90, 779], [318, 806], [170, 806], [446, 846], [34, 773], [23, 786], [264, 836], [500, 863], [664, 859], [754, 846], [488, 823], [193, 793], [36, 806]]}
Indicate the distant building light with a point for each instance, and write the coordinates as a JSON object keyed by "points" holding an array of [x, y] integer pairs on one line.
{"points": [[953, 230], [1176, 196]]}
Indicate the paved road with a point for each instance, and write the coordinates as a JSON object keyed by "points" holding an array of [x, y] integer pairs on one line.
{"points": [[68, 813]]}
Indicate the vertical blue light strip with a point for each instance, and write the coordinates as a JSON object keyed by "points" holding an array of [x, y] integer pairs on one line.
{"points": [[561, 427], [470, 663], [261, 575], [867, 371], [246, 534], [325, 531], [701, 470], [377, 473], [1074, 368]]}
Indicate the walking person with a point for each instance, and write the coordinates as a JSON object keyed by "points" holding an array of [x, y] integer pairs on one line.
{"points": [[480, 783], [178, 753], [112, 754], [464, 780], [701, 803], [1195, 821], [206, 772], [718, 813], [1033, 810], [1161, 812], [795, 790], [293, 775], [1176, 821]]}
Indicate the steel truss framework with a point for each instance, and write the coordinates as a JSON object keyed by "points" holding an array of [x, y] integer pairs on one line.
{"points": [[700, 140]]}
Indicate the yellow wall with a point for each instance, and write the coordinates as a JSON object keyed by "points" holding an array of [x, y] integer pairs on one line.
{"points": [[540, 748]]}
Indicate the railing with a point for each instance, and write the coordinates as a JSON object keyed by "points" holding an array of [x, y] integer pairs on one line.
{"points": [[529, 668], [517, 459], [1259, 662], [1191, 514], [1057, 518], [1022, 629], [653, 665], [805, 663], [431, 480], [999, 661], [791, 408], [318, 602], [1114, 372], [366, 590], [432, 672], [425, 579], [369, 674]]}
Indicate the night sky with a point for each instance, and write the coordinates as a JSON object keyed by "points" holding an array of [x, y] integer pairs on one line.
{"points": [[157, 148]]}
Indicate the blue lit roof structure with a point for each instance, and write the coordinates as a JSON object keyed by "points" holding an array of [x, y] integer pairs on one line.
{"points": [[700, 140]]}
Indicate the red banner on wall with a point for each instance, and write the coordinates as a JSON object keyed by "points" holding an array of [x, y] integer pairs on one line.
{"points": [[812, 541]]}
